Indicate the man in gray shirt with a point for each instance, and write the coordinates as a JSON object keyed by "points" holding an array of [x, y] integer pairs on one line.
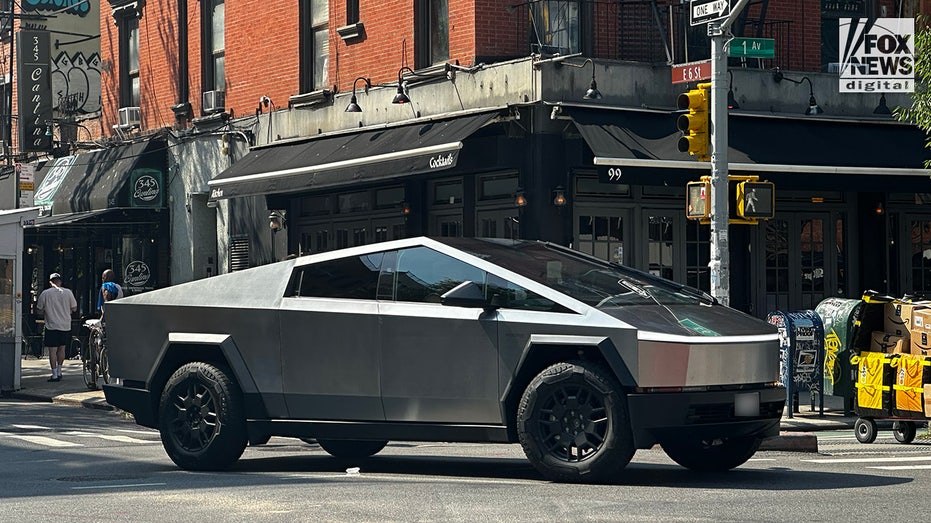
{"points": [[56, 303]]}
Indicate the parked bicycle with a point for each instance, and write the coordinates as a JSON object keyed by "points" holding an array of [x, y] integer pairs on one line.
{"points": [[95, 361]]}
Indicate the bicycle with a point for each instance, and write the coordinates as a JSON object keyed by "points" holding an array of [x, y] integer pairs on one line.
{"points": [[95, 361]]}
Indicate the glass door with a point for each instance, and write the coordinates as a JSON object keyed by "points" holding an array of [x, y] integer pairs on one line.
{"points": [[498, 223], [602, 232]]}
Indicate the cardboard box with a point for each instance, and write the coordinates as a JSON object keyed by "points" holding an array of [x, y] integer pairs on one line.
{"points": [[884, 342], [921, 320], [898, 316], [921, 343], [927, 401]]}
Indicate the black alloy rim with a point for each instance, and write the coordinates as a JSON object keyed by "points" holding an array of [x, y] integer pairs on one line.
{"points": [[573, 422], [195, 423]]}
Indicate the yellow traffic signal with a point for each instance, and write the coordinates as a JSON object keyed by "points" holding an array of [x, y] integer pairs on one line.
{"points": [[756, 200], [694, 124]]}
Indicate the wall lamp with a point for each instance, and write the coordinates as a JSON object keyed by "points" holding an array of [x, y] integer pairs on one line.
{"points": [[882, 108], [559, 196], [519, 199], [592, 93], [277, 221], [401, 97], [731, 100], [405, 208], [813, 107], [353, 106]]}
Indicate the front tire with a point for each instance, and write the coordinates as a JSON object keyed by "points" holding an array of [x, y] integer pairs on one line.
{"points": [[201, 418], [572, 422], [716, 455], [351, 449], [865, 430]]}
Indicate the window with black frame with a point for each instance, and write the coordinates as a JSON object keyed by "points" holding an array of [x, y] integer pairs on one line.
{"points": [[354, 277], [127, 21], [315, 43], [214, 46]]}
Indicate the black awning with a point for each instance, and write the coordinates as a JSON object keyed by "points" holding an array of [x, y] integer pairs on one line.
{"points": [[389, 152], [96, 180], [635, 140], [115, 216]]}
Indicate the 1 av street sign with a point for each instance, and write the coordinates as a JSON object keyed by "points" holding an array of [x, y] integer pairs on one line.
{"points": [[704, 11], [752, 48]]}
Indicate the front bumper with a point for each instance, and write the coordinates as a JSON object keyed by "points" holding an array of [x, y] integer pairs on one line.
{"points": [[659, 416], [137, 402]]}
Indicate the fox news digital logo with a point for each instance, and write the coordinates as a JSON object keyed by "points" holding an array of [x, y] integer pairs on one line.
{"points": [[877, 55]]}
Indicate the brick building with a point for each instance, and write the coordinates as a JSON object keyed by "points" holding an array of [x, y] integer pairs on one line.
{"points": [[497, 140]]}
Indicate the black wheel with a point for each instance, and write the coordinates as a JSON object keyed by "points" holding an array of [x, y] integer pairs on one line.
{"points": [[89, 365], [349, 448], [201, 418], [904, 431], [572, 422], [712, 455], [103, 366], [865, 430]]}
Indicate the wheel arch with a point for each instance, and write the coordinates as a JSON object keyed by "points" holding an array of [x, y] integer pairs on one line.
{"points": [[541, 351], [216, 349]]}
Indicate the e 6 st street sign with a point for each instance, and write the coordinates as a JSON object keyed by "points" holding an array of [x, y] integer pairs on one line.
{"points": [[704, 11]]}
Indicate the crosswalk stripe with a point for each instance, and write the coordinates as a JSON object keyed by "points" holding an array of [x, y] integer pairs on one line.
{"points": [[42, 440], [869, 460], [902, 467], [31, 427], [108, 437]]}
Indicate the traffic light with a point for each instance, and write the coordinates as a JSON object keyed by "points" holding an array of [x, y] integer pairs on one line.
{"points": [[694, 124], [698, 200], [756, 200]]}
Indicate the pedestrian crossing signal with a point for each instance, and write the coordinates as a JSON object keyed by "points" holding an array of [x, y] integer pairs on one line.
{"points": [[756, 200], [698, 202]]}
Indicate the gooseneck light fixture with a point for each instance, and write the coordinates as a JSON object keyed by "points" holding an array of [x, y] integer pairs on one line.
{"points": [[401, 97], [353, 106], [813, 107], [882, 108], [592, 93]]}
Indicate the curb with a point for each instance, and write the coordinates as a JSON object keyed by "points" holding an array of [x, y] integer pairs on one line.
{"points": [[79, 400], [791, 442]]}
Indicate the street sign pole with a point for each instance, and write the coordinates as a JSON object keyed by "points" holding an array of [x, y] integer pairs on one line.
{"points": [[720, 251]]}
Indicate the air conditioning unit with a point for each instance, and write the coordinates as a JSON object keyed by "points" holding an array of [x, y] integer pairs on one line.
{"points": [[130, 117], [214, 102]]}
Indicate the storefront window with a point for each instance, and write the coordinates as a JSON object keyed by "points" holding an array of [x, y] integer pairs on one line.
{"points": [[502, 186], [447, 193], [353, 202], [138, 265]]}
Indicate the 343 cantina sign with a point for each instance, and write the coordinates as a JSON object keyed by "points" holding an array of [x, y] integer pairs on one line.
{"points": [[877, 55], [35, 90]]}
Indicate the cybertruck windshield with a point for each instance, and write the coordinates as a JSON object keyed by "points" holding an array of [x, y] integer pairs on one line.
{"points": [[584, 278]]}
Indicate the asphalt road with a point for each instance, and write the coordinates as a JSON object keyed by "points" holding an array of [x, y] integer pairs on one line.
{"points": [[62, 464]]}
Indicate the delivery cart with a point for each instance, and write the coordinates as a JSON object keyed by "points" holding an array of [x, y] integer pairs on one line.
{"points": [[890, 381]]}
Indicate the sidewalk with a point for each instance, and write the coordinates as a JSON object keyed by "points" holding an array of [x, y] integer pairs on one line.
{"points": [[795, 434]]}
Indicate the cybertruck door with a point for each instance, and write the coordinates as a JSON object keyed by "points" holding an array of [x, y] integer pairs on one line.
{"points": [[329, 340], [438, 363]]}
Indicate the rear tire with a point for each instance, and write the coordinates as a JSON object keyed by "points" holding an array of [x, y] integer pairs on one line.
{"points": [[201, 418], [904, 431], [89, 365], [573, 424], [351, 449], [715, 455]]}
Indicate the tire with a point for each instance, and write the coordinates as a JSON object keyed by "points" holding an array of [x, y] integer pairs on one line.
{"points": [[103, 366], [201, 418], [351, 449], [904, 431], [715, 455], [572, 422], [865, 430], [89, 364]]}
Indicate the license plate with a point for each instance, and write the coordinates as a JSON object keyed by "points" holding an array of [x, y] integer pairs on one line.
{"points": [[747, 404]]}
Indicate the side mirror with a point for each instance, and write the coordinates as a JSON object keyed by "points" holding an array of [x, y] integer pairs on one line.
{"points": [[466, 294]]}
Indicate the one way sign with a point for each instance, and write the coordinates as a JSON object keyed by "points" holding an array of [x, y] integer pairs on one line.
{"points": [[704, 11]]}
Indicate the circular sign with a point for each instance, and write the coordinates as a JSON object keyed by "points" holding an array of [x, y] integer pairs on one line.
{"points": [[146, 188], [136, 274]]}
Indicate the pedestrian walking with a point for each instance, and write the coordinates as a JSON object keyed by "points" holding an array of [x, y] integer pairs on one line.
{"points": [[57, 304]]}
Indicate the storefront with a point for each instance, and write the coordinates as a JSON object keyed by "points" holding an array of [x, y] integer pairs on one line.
{"points": [[12, 223], [99, 210]]}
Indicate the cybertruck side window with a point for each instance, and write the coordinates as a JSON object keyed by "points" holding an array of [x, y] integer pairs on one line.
{"points": [[354, 277], [509, 295], [423, 275]]}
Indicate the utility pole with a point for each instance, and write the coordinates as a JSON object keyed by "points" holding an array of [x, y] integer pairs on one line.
{"points": [[720, 251]]}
